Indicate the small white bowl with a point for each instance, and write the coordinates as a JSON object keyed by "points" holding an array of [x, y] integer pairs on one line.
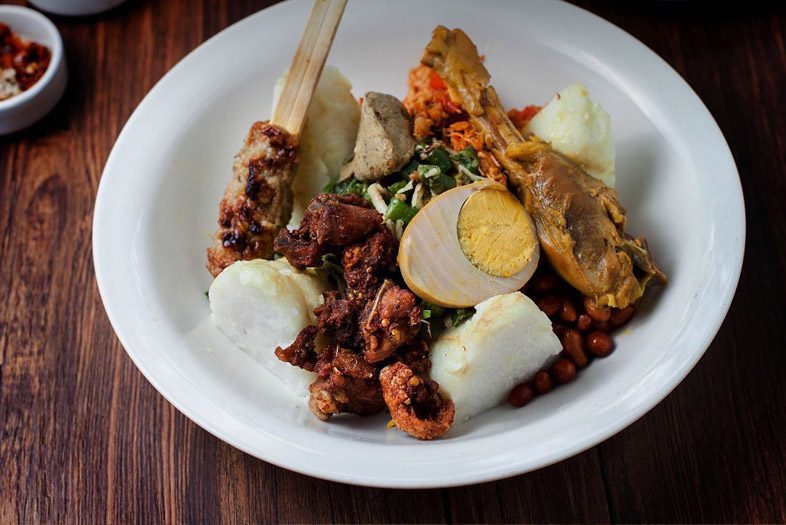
{"points": [[76, 7], [30, 106]]}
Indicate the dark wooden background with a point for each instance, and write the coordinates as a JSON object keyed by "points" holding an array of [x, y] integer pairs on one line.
{"points": [[85, 438]]}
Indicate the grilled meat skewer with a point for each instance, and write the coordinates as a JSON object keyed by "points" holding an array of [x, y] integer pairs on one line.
{"points": [[258, 200]]}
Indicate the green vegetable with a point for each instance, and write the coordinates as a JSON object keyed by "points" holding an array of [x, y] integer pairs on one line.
{"points": [[411, 166], [427, 171], [468, 158], [398, 210], [393, 188], [457, 316], [440, 157], [330, 187], [350, 186], [432, 309], [441, 183], [460, 315]]}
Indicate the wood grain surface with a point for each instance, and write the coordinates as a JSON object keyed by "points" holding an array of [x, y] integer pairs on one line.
{"points": [[84, 438]]}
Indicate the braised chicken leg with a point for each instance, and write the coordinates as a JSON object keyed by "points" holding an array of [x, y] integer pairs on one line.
{"points": [[579, 220]]}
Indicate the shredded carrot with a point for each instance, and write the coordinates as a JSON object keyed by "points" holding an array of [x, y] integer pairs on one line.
{"points": [[462, 134], [429, 106], [435, 114]]}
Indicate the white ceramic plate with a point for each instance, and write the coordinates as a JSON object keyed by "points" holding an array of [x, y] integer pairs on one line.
{"points": [[157, 204]]}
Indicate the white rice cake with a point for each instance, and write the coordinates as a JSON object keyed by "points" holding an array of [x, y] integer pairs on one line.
{"points": [[261, 305], [578, 127], [327, 139], [503, 344]]}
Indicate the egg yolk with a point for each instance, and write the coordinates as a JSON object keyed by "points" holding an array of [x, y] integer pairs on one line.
{"points": [[495, 233]]}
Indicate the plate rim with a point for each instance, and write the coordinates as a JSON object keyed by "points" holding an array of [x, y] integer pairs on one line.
{"points": [[464, 478]]}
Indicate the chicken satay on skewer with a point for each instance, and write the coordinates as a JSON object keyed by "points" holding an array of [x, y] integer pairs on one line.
{"points": [[258, 200]]}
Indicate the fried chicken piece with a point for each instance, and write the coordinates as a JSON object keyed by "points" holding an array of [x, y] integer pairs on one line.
{"points": [[301, 352], [330, 221], [258, 200], [376, 317], [345, 384], [299, 249], [415, 356], [415, 404], [391, 320], [366, 262], [340, 220], [338, 318]]}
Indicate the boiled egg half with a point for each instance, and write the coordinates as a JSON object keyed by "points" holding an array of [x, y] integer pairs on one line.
{"points": [[469, 244]]}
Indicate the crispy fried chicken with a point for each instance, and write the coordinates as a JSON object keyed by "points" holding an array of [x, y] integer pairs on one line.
{"points": [[374, 323]]}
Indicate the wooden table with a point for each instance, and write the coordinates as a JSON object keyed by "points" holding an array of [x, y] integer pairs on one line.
{"points": [[85, 438]]}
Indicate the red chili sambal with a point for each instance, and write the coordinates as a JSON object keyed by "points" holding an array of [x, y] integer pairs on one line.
{"points": [[22, 63]]}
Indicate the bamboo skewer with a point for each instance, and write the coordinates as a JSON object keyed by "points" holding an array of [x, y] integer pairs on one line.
{"points": [[307, 64]]}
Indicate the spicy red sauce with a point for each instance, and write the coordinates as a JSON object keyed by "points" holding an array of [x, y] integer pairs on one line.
{"points": [[28, 60]]}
